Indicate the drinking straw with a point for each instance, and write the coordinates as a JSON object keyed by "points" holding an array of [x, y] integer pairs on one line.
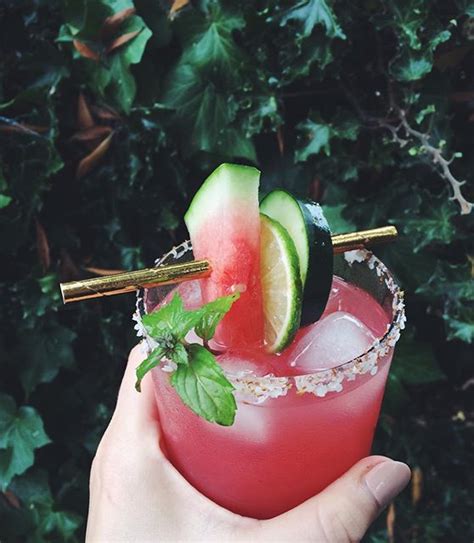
{"points": [[120, 283]]}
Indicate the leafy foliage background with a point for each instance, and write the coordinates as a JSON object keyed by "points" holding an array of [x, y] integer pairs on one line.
{"points": [[105, 133]]}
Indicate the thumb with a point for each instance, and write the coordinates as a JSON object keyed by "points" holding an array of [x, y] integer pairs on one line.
{"points": [[343, 511]]}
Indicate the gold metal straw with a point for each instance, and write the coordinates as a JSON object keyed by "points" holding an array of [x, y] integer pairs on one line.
{"points": [[121, 283], [364, 238]]}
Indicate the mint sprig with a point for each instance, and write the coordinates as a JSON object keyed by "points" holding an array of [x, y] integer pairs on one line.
{"points": [[204, 388], [198, 378]]}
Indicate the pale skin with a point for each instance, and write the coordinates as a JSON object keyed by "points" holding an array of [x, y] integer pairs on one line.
{"points": [[136, 495]]}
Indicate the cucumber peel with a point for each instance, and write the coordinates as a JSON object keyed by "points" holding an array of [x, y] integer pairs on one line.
{"points": [[305, 222]]}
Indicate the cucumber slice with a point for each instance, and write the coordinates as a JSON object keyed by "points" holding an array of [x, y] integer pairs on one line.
{"points": [[281, 285], [305, 222]]}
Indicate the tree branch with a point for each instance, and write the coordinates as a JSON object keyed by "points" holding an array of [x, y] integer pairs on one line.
{"points": [[436, 155]]}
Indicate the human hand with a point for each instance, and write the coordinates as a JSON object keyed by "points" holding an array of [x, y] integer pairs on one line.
{"points": [[137, 495]]}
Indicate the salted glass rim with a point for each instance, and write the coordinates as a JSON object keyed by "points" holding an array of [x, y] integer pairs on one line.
{"points": [[256, 389]]}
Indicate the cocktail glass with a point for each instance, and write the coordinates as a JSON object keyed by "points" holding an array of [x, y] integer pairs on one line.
{"points": [[293, 434]]}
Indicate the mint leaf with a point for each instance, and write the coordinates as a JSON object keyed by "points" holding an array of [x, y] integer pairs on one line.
{"points": [[21, 432], [169, 326], [152, 360], [173, 318], [178, 354], [211, 315], [203, 387]]}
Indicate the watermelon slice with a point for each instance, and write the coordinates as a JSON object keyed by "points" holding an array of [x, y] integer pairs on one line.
{"points": [[224, 225]]}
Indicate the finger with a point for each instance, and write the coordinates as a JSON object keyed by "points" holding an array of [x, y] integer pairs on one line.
{"points": [[345, 509], [136, 412]]}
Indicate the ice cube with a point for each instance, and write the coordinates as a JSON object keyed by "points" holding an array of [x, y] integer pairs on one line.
{"points": [[334, 340], [247, 361], [252, 422]]}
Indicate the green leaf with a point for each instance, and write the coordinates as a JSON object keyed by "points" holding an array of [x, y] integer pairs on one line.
{"points": [[152, 361], [307, 14], [211, 315], [203, 387], [408, 16], [4, 200], [209, 42], [411, 66], [116, 80], [315, 135], [171, 318], [45, 68], [396, 395], [337, 223], [34, 492], [200, 104], [462, 327], [414, 361], [179, 354], [317, 138], [21, 432], [434, 225], [42, 353], [428, 110], [449, 281], [112, 77]]}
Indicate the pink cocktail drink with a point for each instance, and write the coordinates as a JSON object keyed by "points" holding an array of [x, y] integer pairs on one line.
{"points": [[304, 417]]}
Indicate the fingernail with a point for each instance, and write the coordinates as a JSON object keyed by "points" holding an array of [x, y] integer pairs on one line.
{"points": [[386, 480]]}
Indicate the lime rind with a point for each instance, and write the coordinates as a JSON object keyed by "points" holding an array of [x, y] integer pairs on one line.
{"points": [[305, 222], [281, 285]]}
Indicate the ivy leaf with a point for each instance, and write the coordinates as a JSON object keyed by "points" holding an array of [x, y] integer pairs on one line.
{"points": [[452, 281], [116, 79], [4, 200], [203, 387], [414, 361], [211, 315], [407, 17], [337, 223], [411, 67], [202, 110], [461, 325], [315, 135], [414, 65], [21, 432], [209, 42], [40, 72], [433, 226], [396, 394], [43, 519], [309, 13], [42, 353]]}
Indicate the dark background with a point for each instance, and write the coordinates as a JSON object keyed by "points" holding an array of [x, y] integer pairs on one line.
{"points": [[107, 126]]}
